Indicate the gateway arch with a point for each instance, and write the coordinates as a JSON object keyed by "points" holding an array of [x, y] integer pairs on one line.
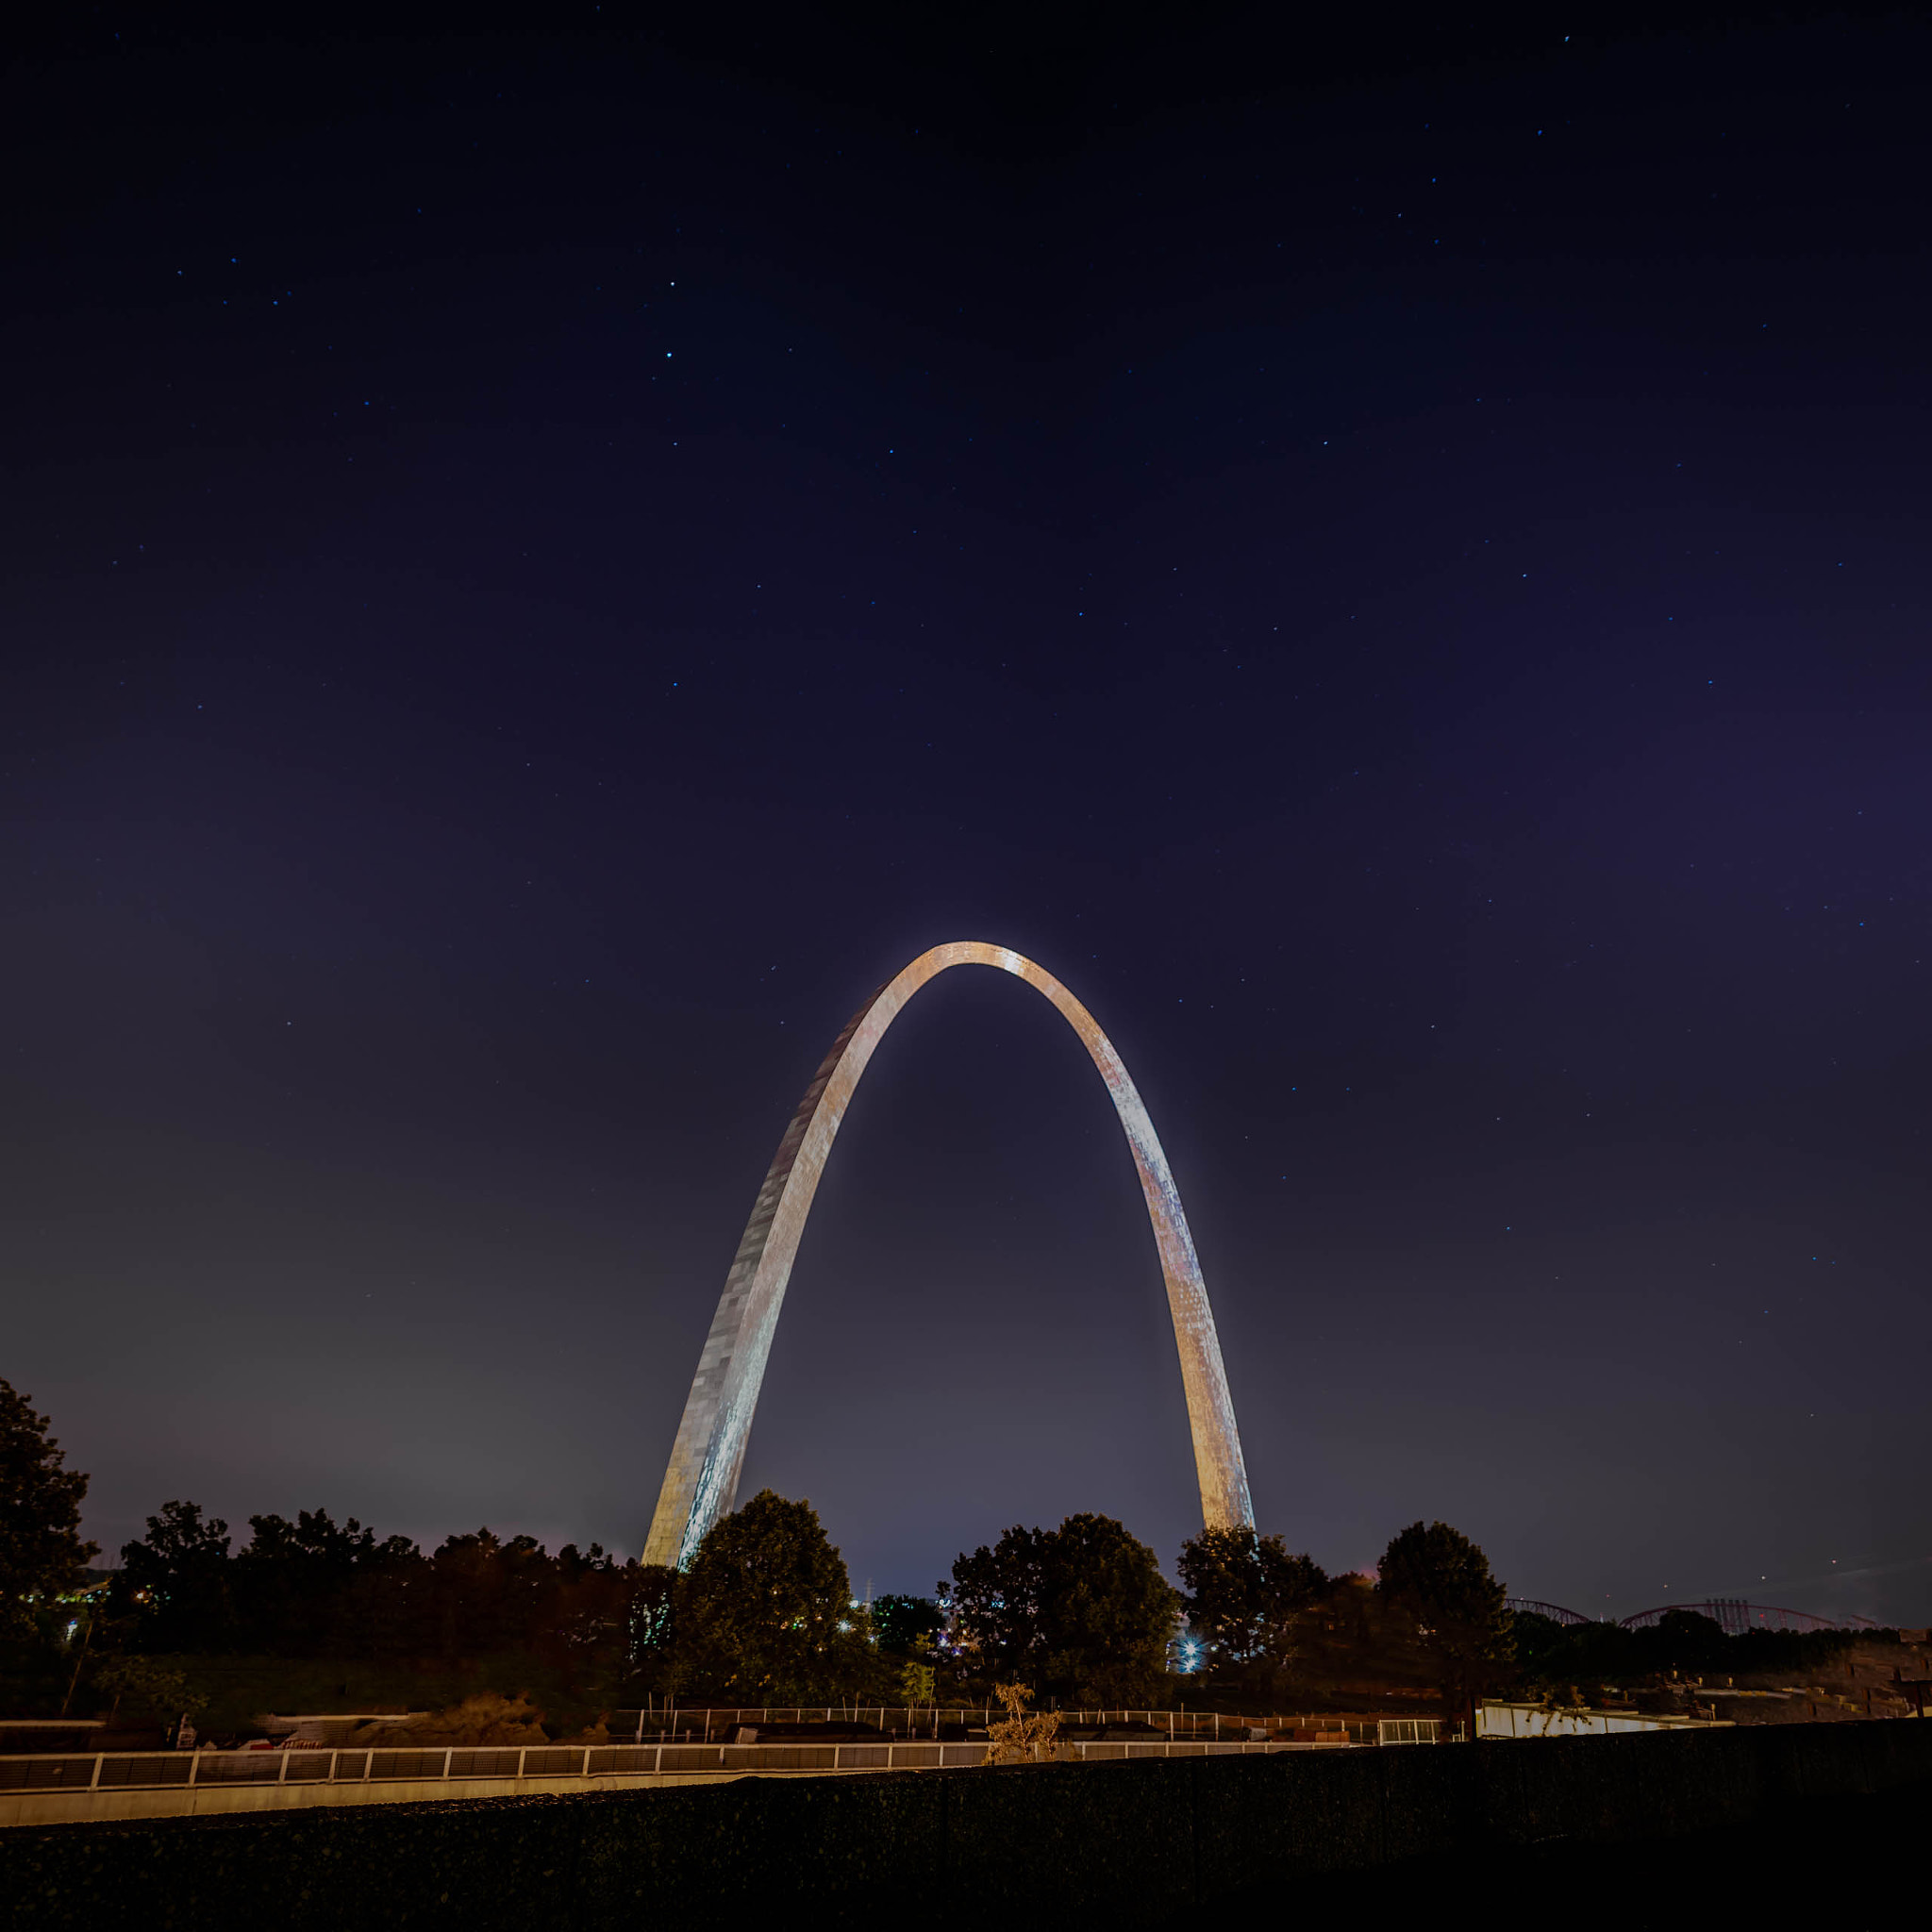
{"points": [[701, 1483]]}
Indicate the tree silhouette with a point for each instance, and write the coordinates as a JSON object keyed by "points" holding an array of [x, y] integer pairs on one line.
{"points": [[42, 1553], [1438, 1583], [1246, 1594], [1111, 1614], [906, 1626], [998, 1602], [1082, 1611], [764, 1615], [175, 1582]]}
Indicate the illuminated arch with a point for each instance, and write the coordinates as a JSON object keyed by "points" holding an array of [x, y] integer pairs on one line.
{"points": [[701, 1483]]}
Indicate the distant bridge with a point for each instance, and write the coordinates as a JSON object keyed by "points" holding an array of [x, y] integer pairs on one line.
{"points": [[1554, 1613], [1732, 1615]]}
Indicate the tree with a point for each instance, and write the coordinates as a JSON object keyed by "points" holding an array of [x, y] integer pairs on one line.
{"points": [[1245, 1595], [487, 1594], [998, 1602], [42, 1553], [385, 1610], [765, 1614], [906, 1626], [907, 1629], [1082, 1608], [177, 1582], [1688, 1640], [652, 1629], [292, 1576], [1544, 1648], [1021, 1737], [1437, 1581], [161, 1689], [585, 1625], [1111, 1614], [316, 1588]]}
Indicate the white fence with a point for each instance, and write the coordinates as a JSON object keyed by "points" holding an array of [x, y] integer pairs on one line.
{"points": [[1495, 1719], [714, 1722], [152, 1770]]}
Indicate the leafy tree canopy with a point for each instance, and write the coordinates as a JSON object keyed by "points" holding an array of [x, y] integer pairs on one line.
{"points": [[42, 1553], [1445, 1581], [1111, 1614], [764, 1615], [1082, 1608], [314, 1587], [1244, 1593], [999, 1596], [1584, 1656], [905, 1625], [1435, 1578], [161, 1689], [1688, 1640], [177, 1580]]}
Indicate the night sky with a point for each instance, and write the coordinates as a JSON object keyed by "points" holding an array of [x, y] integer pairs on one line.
{"points": [[540, 570]]}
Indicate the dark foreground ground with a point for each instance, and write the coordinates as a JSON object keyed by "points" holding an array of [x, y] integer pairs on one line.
{"points": [[1837, 1865], [1821, 1824]]}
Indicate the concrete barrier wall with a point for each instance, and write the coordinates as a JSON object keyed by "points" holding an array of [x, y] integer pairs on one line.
{"points": [[1136, 1840]]}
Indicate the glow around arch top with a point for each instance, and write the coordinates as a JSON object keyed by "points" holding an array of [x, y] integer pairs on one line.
{"points": [[701, 1483]]}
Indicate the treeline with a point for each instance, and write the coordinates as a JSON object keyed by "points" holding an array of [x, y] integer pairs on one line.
{"points": [[316, 1588], [765, 1613], [1684, 1641], [1081, 1614]]}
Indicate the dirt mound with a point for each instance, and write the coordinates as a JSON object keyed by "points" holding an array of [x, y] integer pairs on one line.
{"points": [[488, 1717]]}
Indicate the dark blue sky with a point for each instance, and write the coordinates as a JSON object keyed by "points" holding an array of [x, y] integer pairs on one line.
{"points": [[540, 570]]}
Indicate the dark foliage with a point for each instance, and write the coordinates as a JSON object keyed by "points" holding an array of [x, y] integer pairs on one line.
{"points": [[42, 1553], [1111, 1615], [906, 1626], [1082, 1611], [1584, 1657], [1440, 1594], [1246, 1596], [178, 1585], [998, 1597], [312, 1587], [765, 1615], [652, 1626], [296, 1578]]}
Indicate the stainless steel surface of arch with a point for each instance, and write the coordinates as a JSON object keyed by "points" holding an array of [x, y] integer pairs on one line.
{"points": [[701, 1483]]}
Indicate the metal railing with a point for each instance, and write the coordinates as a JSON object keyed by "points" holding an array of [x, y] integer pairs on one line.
{"points": [[154, 1770], [714, 1722]]}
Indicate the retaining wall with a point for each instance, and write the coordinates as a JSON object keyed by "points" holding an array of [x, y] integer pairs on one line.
{"points": [[1137, 1842]]}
